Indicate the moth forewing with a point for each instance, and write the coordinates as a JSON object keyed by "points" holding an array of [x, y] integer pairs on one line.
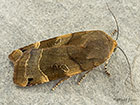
{"points": [[61, 57]]}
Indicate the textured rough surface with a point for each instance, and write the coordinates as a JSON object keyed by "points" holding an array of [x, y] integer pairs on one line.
{"points": [[27, 21]]}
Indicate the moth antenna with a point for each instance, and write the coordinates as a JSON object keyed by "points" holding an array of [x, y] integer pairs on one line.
{"points": [[116, 22], [128, 64]]}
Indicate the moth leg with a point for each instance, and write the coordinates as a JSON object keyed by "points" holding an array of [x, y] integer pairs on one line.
{"points": [[113, 32], [62, 80], [105, 68], [82, 77]]}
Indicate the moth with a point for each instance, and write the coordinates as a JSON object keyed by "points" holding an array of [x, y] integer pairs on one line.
{"points": [[61, 57]]}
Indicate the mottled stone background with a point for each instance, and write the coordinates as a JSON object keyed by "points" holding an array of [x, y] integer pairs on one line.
{"points": [[23, 22]]}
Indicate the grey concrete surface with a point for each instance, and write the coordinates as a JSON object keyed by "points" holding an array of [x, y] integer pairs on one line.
{"points": [[23, 22]]}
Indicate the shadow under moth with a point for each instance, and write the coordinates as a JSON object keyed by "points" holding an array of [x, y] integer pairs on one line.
{"points": [[61, 57]]}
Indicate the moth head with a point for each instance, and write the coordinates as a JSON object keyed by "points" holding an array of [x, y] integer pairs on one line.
{"points": [[100, 46]]}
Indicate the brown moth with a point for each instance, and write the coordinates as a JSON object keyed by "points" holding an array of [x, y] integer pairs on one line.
{"points": [[61, 57]]}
